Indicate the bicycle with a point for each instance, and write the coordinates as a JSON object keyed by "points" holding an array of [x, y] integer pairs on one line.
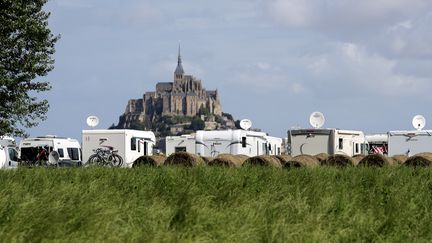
{"points": [[105, 157]]}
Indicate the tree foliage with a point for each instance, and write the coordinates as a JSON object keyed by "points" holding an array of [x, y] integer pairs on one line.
{"points": [[26, 50], [197, 124]]}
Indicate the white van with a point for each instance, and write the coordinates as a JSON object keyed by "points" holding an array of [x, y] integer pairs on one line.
{"points": [[330, 141], [8, 153], [33, 149], [126, 143]]}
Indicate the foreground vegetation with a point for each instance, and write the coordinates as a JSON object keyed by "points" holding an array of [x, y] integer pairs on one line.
{"points": [[216, 204]]}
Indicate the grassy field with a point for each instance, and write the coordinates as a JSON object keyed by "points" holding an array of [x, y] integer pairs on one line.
{"points": [[216, 204]]}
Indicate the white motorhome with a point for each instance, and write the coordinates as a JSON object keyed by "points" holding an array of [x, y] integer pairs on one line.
{"points": [[129, 144], [8, 153], [39, 148], [409, 142], [213, 143], [331, 141], [183, 143], [274, 145]]}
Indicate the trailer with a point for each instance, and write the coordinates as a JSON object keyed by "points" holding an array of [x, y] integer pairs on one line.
{"points": [[126, 143], [8, 153], [33, 150], [213, 143], [330, 141], [409, 142], [183, 143]]}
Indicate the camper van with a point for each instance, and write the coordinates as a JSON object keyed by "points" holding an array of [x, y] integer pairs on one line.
{"points": [[378, 143], [213, 143], [32, 150], [128, 144], [330, 141], [274, 145], [183, 143], [8, 153], [409, 142]]}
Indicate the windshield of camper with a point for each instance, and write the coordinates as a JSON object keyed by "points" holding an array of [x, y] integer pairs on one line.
{"points": [[35, 153]]}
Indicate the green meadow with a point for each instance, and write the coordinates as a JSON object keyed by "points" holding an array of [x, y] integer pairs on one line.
{"points": [[214, 204]]}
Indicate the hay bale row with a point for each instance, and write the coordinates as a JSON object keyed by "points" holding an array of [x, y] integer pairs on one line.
{"points": [[279, 161]]}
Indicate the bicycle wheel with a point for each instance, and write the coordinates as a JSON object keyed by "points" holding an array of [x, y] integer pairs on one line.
{"points": [[115, 160], [95, 160]]}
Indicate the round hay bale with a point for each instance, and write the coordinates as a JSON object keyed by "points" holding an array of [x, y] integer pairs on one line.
{"points": [[229, 160], [340, 160], [321, 157], [303, 160], [378, 160], [421, 159], [264, 160], [400, 159], [357, 158], [283, 159], [154, 160], [186, 159]]}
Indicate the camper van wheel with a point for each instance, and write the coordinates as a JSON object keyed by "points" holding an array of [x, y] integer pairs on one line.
{"points": [[95, 160], [115, 160]]}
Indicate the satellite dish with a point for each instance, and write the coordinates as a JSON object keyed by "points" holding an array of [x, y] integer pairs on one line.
{"points": [[245, 124], [419, 122], [92, 121], [316, 119], [53, 158]]}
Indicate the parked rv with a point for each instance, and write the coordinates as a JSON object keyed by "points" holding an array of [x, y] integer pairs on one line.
{"points": [[127, 144], [331, 141], [37, 150], [8, 153], [213, 143], [183, 143], [378, 143], [409, 142]]}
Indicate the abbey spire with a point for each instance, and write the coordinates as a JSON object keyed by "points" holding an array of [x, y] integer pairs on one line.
{"points": [[179, 72]]}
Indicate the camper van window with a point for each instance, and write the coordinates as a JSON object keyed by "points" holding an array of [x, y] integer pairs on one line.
{"points": [[60, 152], [243, 142], [133, 144], [340, 143], [269, 147], [73, 153], [180, 149], [139, 147], [357, 148], [13, 155]]}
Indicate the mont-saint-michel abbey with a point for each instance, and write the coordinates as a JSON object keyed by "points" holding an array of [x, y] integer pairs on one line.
{"points": [[184, 97]]}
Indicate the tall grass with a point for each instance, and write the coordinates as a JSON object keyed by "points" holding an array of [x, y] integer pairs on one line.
{"points": [[216, 204]]}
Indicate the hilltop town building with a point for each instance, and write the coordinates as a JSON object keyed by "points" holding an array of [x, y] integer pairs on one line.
{"points": [[184, 97]]}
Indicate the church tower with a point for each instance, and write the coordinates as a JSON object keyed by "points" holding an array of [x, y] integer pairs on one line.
{"points": [[179, 72]]}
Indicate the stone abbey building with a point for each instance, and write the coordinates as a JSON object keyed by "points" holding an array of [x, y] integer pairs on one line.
{"points": [[183, 97]]}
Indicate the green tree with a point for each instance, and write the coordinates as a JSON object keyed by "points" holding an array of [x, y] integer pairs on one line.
{"points": [[197, 124], [26, 50]]}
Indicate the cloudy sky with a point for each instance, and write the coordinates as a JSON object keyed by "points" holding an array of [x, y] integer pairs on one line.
{"points": [[366, 64]]}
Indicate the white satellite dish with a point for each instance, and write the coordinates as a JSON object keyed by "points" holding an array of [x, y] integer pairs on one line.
{"points": [[316, 119], [92, 121], [419, 122], [245, 124], [53, 158]]}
